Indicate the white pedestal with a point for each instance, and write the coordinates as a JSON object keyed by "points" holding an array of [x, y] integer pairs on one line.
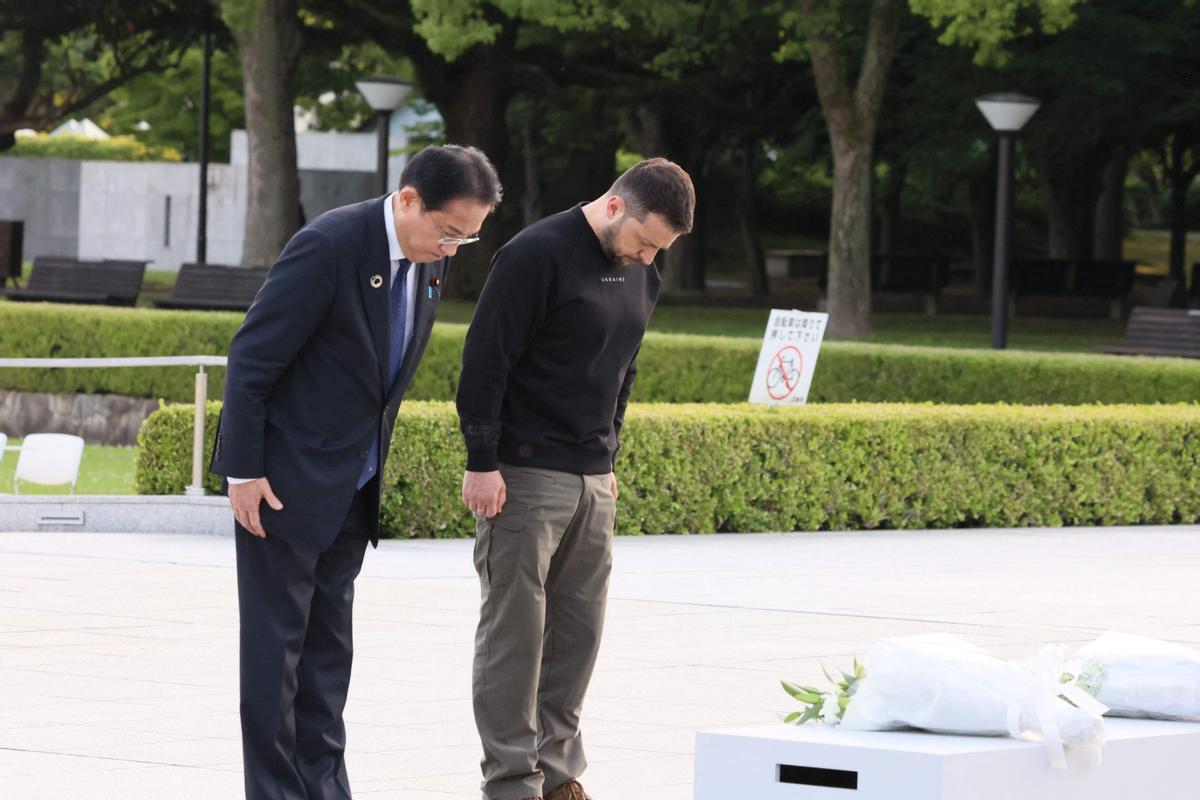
{"points": [[1143, 760]]}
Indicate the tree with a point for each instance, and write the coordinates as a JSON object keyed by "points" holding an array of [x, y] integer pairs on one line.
{"points": [[1175, 123], [692, 81], [825, 32], [852, 115], [169, 102], [705, 91], [1095, 84], [268, 35], [1181, 157], [58, 58]]}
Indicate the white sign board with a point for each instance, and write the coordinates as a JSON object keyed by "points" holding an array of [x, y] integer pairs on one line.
{"points": [[788, 357]]}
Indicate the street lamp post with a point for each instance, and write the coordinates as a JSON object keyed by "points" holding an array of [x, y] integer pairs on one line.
{"points": [[1007, 113], [202, 220], [384, 95]]}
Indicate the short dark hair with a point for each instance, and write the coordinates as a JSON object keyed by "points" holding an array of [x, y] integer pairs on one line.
{"points": [[441, 173], [658, 186]]}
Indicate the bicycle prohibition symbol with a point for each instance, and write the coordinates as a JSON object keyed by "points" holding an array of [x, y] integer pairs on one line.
{"points": [[784, 375]]}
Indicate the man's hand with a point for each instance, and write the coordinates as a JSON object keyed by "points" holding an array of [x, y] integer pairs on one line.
{"points": [[612, 485], [245, 498], [484, 493]]}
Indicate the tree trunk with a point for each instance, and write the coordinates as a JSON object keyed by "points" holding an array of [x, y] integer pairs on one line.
{"points": [[269, 53], [1178, 258], [682, 264], [18, 98], [472, 95], [747, 216], [651, 134], [982, 190], [852, 116], [1110, 209], [1072, 186], [531, 198], [849, 296], [889, 208], [1181, 176]]}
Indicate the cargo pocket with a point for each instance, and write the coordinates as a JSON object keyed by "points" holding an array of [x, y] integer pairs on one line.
{"points": [[498, 545]]}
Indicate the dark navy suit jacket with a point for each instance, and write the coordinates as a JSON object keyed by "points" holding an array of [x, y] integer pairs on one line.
{"points": [[305, 391]]}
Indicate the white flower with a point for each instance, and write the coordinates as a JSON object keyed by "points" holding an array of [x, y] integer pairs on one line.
{"points": [[829, 709]]}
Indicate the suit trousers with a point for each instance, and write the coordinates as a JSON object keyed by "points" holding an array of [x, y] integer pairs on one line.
{"points": [[296, 648], [544, 564]]}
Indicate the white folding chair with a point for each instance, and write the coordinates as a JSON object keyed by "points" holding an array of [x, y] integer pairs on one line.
{"points": [[49, 458], [3, 445]]}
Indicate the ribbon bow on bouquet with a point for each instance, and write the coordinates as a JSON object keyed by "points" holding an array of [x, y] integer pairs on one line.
{"points": [[1053, 683]]}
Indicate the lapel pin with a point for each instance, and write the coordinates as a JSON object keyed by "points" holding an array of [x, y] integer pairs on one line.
{"points": [[376, 281], [436, 281]]}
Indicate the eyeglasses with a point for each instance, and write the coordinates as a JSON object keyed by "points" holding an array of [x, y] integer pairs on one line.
{"points": [[447, 240]]}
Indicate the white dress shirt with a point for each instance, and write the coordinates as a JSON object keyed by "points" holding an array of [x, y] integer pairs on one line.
{"points": [[410, 294]]}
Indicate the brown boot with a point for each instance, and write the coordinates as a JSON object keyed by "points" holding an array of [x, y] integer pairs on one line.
{"points": [[571, 790]]}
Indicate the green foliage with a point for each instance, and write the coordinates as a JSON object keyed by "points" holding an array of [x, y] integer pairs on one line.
{"points": [[44, 330], [169, 100], [423, 133], [627, 160], [164, 450], [989, 25], [59, 57], [672, 368], [117, 148], [452, 27], [707, 468], [240, 15], [325, 83], [814, 699]]}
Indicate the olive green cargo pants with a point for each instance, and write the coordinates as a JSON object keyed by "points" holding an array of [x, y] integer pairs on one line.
{"points": [[543, 564]]}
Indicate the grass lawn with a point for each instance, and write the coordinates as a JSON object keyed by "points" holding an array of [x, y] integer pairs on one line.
{"points": [[104, 470], [1152, 249]]}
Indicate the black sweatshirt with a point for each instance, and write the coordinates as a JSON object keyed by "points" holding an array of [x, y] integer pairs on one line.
{"points": [[551, 353]]}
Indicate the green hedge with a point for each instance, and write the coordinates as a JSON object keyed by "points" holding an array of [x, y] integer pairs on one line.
{"points": [[115, 148], [45, 330], [673, 368], [705, 468]]}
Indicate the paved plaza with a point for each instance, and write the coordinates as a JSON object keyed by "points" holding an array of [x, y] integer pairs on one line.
{"points": [[118, 652]]}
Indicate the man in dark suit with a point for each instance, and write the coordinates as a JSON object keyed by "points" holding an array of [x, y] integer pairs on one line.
{"points": [[315, 378]]}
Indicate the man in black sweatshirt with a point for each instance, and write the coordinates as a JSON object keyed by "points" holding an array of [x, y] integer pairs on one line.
{"points": [[549, 362]]}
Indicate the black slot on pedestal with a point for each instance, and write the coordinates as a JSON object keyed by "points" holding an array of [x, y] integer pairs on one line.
{"points": [[816, 776]]}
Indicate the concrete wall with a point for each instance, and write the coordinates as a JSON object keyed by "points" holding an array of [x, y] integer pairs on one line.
{"points": [[148, 211], [332, 152], [321, 190], [98, 418], [44, 193]]}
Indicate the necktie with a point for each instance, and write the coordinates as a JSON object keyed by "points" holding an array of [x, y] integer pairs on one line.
{"points": [[398, 324], [398, 319]]}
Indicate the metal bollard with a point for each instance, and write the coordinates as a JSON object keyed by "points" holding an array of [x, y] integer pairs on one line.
{"points": [[197, 487]]}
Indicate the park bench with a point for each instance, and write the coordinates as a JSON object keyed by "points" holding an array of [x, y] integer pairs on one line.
{"points": [[805, 264], [215, 287], [1161, 332], [920, 274], [1073, 279], [58, 279]]}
